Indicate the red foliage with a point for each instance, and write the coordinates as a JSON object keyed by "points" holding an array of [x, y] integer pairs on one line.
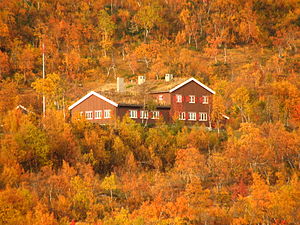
{"points": [[240, 189]]}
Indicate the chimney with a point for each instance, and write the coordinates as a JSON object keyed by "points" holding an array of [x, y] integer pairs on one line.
{"points": [[168, 77], [141, 80], [120, 84]]}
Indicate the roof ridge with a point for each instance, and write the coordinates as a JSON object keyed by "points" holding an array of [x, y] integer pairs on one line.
{"points": [[195, 80]]}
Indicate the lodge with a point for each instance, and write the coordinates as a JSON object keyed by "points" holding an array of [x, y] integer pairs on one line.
{"points": [[185, 99]]}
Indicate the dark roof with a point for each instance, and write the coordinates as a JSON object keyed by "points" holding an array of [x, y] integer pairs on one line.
{"points": [[138, 95], [135, 94], [125, 97], [163, 86], [150, 86]]}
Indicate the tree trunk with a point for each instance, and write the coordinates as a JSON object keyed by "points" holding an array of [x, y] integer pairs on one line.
{"points": [[131, 68], [201, 28], [113, 64], [108, 71], [123, 54], [114, 70], [63, 105], [111, 7], [24, 75], [147, 63], [146, 35], [196, 43], [225, 53]]}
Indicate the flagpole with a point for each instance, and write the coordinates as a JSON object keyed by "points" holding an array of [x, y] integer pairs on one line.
{"points": [[44, 98]]}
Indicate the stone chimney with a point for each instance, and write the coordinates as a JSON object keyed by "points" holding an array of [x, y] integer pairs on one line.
{"points": [[168, 77], [141, 80], [120, 84]]}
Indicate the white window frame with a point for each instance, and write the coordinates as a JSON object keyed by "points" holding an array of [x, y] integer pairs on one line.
{"points": [[88, 115], [181, 116], [144, 114], [194, 116], [192, 98], [133, 114], [107, 114], [81, 114], [205, 99], [160, 97], [178, 98], [203, 116], [155, 115], [98, 114]]}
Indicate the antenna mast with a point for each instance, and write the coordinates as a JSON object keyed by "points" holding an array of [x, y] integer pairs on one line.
{"points": [[44, 98]]}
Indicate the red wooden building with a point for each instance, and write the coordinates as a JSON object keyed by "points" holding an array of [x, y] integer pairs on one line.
{"points": [[188, 100]]}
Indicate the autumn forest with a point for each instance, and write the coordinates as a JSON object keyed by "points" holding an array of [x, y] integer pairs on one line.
{"points": [[57, 170]]}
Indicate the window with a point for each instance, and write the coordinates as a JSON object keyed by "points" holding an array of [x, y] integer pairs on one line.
{"points": [[98, 114], [182, 116], [144, 114], [81, 114], [106, 114], [178, 98], [205, 100], [202, 116], [155, 114], [192, 116], [89, 115], [160, 97], [133, 114], [192, 99]]}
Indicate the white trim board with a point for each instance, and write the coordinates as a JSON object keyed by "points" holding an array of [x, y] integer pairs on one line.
{"points": [[226, 117], [90, 94], [189, 80]]}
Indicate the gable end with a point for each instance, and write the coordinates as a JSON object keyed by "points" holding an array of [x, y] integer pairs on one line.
{"points": [[196, 81], [95, 94]]}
